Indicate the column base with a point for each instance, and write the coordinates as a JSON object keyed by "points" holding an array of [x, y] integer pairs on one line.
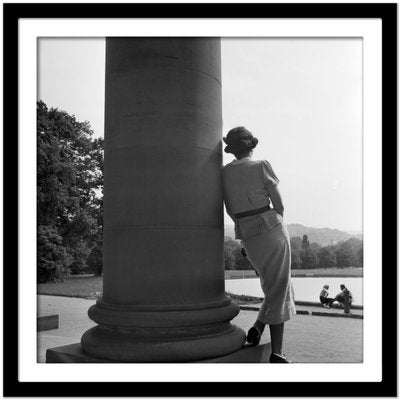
{"points": [[73, 353], [144, 334], [162, 344]]}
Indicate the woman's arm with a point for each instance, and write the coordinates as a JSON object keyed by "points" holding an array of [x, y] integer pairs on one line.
{"points": [[276, 199], [271, 181]]}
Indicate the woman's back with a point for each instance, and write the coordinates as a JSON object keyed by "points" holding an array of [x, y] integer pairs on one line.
{"points": [[246, 183]]}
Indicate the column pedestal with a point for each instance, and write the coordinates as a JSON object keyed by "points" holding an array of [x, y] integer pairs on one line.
{"points": [[73, 354]]}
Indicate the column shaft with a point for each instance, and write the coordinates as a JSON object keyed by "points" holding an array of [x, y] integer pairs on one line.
{"points": [[163, 296]]}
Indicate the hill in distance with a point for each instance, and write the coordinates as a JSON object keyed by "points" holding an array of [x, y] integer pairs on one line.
{"points": [[322, 236]]}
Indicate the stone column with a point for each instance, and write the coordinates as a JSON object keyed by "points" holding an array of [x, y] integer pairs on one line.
{"points": [[163, 295]]}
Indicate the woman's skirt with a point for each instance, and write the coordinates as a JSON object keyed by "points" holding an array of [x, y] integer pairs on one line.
{"points": [[269, 253]]}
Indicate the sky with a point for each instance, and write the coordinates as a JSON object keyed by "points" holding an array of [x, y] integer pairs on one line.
{"points": [[301, 97]]}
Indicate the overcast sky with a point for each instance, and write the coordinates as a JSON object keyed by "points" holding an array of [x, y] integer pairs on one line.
{"points": [[302, 98]]}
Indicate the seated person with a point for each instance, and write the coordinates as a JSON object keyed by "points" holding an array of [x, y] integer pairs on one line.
{"points": [[323, 297], [340, 297]]}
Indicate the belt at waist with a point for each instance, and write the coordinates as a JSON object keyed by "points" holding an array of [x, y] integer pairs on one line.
{"points": [[252, 212]]}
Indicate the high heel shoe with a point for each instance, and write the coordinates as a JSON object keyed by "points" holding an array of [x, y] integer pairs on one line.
{"points": [[278, 359], [253, 336]]}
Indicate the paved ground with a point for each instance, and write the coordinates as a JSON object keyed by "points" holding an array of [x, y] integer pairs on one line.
{"points": [[308, 338], [73, 321], [314, 339]]}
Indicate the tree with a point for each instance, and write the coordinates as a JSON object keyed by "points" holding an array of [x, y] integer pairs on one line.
{"points": [[230, 253], [295, 246], [52, 257], [95, 259], [344, 258], [303, 253], [78, 237], [308, 259], [295, 242], [315, 247], [355, 245], [326, 257], [307, 255], [346, 254], [305, 243], [69, 183], [295, 259], [243, 263], [234, 259], [360, 257]]}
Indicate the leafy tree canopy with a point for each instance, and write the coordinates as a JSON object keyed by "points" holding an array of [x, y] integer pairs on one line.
{"points": [[69, 187], [234, 259]]}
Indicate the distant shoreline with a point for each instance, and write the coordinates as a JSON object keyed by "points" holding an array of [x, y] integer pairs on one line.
{"points": [[321, 236], [305, 273], [231, 226]]}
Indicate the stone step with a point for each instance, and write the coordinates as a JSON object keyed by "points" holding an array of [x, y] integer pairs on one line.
{"points": [[73, 353], [331, 313]]}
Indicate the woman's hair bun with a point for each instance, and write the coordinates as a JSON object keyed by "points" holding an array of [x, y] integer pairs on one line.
{"points": [[239, 140], [255, 141]]}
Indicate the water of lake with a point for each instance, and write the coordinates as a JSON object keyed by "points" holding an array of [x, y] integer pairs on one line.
{"points": [[305, 289]]}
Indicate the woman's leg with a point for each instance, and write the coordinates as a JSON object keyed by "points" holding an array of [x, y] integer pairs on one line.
{"points": [[254, 334], [276, 332], [269, 253], [259, 325], [326, 300]]}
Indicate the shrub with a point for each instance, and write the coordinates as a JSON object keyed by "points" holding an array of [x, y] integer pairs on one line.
{"points": [[52, 257], [95, 260]]}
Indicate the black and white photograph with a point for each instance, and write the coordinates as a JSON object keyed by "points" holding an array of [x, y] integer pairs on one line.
{"points": [[204, 200], [145, 239]]}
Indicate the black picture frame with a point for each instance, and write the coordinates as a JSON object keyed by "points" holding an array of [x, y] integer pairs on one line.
{"points": [[12, 12]]}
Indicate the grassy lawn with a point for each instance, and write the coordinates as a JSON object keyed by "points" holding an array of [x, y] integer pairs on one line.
{"points": [[240, 274], [77, 286], [86, 286]]}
